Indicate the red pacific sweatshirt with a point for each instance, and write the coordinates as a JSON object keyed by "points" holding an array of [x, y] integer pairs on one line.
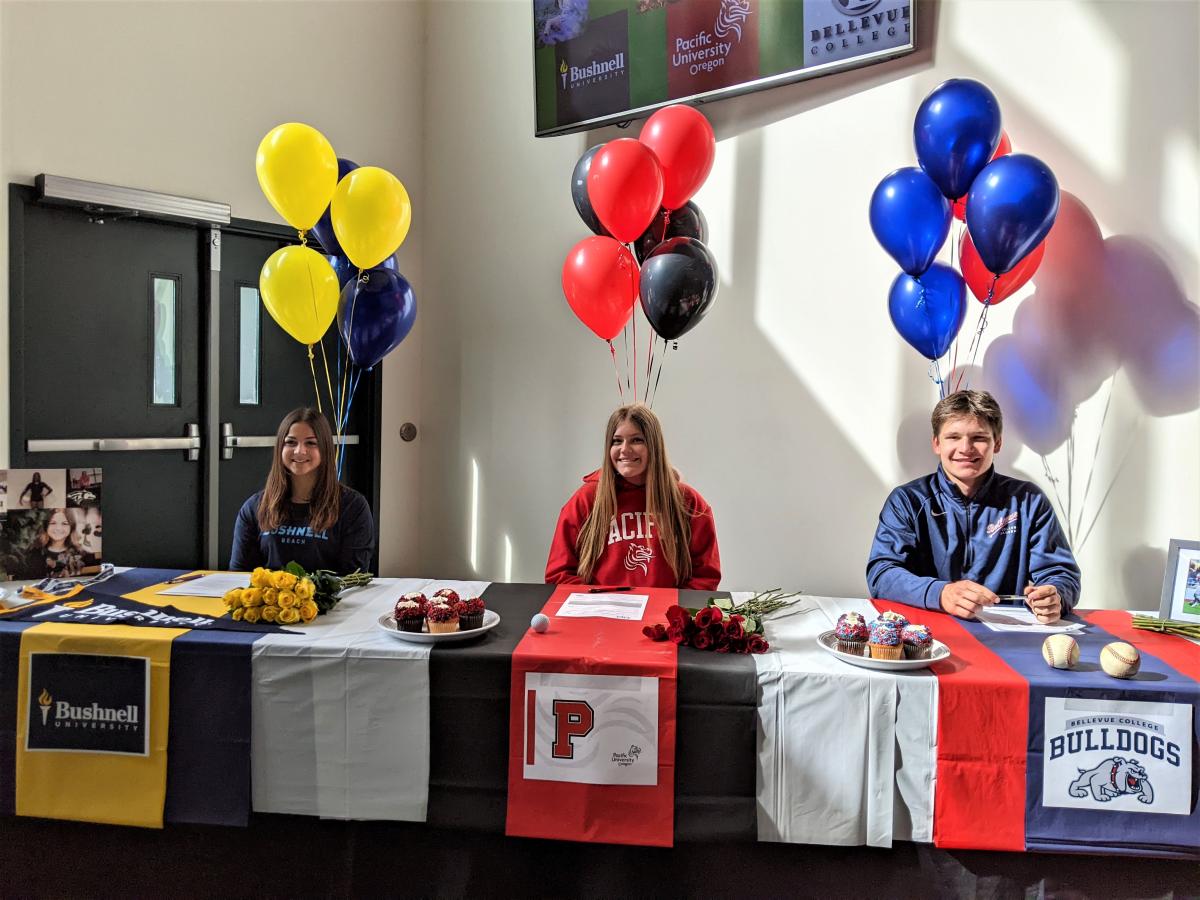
{"points": [[633, 555]]}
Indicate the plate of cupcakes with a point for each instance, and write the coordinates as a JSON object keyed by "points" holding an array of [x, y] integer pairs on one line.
{"points": [[888, 643], [443, 618]]}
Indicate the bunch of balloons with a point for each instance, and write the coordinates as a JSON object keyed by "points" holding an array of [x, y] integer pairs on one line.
{"points": [[360, 215], [967, 171], [649, 238]]}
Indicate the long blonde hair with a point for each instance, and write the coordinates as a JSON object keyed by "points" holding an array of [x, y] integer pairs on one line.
{"points": [[664, 499], [325, 503]]}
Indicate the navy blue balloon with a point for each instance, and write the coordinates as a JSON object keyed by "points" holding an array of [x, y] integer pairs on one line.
{"points": [[375, 313], [1011, 208], [346, 271], [323, 230], [928, 313], [910, 218], [956, 131]]}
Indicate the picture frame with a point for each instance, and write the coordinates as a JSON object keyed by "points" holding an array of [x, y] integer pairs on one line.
{"points": [[1181, 582]]}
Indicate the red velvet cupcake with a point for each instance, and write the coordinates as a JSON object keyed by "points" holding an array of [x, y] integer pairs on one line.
{"points": [[409, 614], [448, 595], [470, 614]]}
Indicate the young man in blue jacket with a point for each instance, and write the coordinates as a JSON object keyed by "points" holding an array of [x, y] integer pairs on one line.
{"points": [[958, 538]]}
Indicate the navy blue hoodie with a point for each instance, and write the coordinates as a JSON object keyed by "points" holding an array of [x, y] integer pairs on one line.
{"points": [[1005, 536], [345, 547]]}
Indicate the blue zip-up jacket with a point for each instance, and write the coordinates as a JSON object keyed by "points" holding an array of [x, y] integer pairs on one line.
{"points": [[1005, 536]]}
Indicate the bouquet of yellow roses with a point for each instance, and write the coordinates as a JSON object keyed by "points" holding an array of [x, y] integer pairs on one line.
{"points": [[289, 596]]}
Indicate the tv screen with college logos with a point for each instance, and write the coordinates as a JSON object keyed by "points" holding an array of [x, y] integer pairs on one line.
{"points": [[597, 62]]}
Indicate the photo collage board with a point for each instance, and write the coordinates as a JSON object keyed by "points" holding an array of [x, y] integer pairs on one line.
{"points": [[50, 523]]}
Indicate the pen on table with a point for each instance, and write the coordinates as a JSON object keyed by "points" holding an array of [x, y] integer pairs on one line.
{"points": [[609, 590], [182, 578]]}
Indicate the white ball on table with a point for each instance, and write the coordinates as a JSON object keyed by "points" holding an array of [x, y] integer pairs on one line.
{"points": [[1120, 660], [540, 622], [1060, 651]]}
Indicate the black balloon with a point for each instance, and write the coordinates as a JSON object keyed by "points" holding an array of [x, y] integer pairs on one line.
{"points": [[687, 221], [678, 285], [579, 192]]}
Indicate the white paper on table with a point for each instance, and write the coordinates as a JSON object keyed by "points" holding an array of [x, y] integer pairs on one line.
{"points": [[215, 585], [1020, 618], [628, 607]]}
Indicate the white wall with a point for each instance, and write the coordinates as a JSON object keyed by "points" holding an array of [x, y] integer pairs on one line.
{"points": [[175, 97], [794, 407]]}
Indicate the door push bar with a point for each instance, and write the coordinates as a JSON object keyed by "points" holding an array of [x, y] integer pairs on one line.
{"points": [[229, 440], [189, 443]]}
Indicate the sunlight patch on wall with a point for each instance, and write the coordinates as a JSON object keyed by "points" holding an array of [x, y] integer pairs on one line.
{"points": [[473, 543], [1022, 53], [1181, 189]]}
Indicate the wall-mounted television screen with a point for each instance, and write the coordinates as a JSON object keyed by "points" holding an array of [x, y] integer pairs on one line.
{"points": [[597, 62]]}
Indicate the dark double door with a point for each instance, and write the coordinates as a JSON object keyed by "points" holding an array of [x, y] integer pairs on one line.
{"points": [[140, 347]]}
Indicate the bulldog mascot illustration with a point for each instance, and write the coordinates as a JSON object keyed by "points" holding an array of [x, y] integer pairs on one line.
{"points": [[1112, 778]]}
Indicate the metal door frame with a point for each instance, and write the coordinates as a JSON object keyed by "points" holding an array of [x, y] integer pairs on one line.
{"points": [[209, 228]]}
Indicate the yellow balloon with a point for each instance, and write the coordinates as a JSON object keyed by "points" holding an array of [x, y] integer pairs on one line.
{"points": [[300, 290], [298, 171], [371, 214]]}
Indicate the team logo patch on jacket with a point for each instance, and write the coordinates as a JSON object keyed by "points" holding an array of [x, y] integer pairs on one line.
{"points": [[1008, 524], [638, 557]]}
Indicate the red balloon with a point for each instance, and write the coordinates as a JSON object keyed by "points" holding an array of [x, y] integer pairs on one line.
{"points": [[600, 281], [979, 279], [1002, 149], [625, 185], [685, 145]]}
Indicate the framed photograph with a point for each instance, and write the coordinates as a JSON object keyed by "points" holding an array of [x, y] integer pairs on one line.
{"points": [[1181, 583]]}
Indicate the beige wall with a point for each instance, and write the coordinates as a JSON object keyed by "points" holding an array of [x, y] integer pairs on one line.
{"points": [[793, 407], [175, 96]]}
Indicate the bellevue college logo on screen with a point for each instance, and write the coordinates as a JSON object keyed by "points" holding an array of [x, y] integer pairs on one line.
{"points": [[89, 703], [1102, 754]]}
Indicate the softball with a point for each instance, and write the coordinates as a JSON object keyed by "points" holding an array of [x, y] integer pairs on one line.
{"points": [[540, 622], [1120, 660], [1060, 651]]}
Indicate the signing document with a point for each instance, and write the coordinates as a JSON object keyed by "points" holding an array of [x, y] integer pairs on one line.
{"points": [[629, 607]]}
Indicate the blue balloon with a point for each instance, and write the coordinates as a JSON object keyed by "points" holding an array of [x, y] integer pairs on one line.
{"points": [[324, 227], [347, 271], [910, 218], [928, 313], [375, 313], [1011, 208], [956, 131]]}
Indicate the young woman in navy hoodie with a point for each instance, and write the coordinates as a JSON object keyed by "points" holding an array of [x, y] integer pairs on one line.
{"points": [[634, 522], [304, 514]]}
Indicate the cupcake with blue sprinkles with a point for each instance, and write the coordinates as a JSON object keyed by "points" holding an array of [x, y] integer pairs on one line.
{"points": [[851, 633], [918, 641], [885, 641]]}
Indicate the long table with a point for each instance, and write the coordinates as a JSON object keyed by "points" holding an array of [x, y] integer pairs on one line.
{"points": [[346, 722]]}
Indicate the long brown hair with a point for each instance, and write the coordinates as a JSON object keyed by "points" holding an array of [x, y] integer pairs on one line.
{"points": [[325, 503], [664, 499]]}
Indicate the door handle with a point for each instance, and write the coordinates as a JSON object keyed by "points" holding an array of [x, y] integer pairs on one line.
{"points": [[189, 443], [229, 440]]}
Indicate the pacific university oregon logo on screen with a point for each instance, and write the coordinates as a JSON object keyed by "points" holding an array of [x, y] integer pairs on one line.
{"points": [[88, 703]]}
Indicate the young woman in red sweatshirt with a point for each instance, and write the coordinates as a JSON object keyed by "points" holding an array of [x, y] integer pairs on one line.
{"points": [[634, 522]]}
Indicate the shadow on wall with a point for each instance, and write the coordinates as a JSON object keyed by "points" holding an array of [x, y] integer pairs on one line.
{"points": [[1101, 306]]}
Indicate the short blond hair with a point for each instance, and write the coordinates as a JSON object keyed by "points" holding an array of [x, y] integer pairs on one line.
{"points": [[978, 404]]}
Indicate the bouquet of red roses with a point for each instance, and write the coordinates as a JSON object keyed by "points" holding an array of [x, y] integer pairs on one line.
{"points": [[721, 626]]}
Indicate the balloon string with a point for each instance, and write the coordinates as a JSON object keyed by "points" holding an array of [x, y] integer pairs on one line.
{"points": [[976, 341], [328, 380], [303, 238], [955, 241], [344, 421], [616, 371], [625, 338], [649, 368], [935, 375], [661, 360], [312, 368]]}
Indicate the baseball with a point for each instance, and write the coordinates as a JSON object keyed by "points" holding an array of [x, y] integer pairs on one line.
{"points": [[540, 622], [1060, 651], [1120, 660]]}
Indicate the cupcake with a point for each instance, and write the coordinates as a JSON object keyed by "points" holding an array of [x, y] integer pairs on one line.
{"points": [[885, 640], [470, 614], [448, 595], [895, 618], [409, 614], [442, 618], [918, 641], [851, 633], [417, 597]]}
